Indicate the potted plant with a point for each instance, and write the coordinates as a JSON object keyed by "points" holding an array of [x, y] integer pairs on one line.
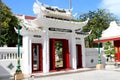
{"points": [[110, 54]]}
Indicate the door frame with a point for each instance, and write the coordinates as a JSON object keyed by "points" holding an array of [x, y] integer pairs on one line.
{"points": [[40, 58]]}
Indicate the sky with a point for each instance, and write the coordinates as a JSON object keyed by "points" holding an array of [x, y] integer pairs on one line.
{"points": [[79, 6]]}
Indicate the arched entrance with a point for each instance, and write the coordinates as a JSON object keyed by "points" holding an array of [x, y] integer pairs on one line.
{"points": [[36, 57], [65, 54], [79, 56]]}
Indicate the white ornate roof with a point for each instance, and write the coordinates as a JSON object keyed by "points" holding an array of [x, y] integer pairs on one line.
{"points": [[26, 22], [112, 31], [55, 23], [36, 24], [52, 11]]}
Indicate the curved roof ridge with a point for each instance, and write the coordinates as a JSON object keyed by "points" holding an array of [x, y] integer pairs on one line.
{"points": [[112, 30]]}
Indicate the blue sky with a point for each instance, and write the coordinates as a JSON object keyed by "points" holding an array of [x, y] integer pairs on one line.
{"points": [[79, 6]]}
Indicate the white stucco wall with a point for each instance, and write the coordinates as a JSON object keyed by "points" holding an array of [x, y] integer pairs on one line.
{"points": [[8, 56], [91, 55]]}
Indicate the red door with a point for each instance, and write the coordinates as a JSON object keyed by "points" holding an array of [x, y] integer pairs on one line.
{"points": [[65, 54], [52, 54], [79, 56], [36, 57]]}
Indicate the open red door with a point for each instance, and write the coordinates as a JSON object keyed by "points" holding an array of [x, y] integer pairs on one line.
{"points": [[36, 57], [65, 54]]}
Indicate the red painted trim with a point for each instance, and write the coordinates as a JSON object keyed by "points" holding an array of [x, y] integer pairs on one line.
{"points": [[52, 54], [27, 17], [40, 58], [105, 40], [30, 17], [32, 57]]}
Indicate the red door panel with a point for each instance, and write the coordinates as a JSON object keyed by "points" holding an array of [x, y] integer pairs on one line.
{"points": [[52, 54], [117, 48], [66, 55], [79, 56]]}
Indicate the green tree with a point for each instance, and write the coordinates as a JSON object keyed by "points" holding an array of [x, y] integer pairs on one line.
{"points": [[8, 21], [99, 20], [109, 51], [59, 48]]}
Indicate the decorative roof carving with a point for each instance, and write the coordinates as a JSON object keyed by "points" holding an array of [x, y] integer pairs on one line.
{"points": [[36, 24], [48, 22], [84, 34], [50, 11], [27, 24]]}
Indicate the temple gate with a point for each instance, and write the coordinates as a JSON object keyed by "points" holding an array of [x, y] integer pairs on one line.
{"points": [[40, 35]]}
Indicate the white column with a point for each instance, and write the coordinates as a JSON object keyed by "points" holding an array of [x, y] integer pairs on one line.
{"points": [[45, 52], [83, 52], [73, 51], [26, 58]]}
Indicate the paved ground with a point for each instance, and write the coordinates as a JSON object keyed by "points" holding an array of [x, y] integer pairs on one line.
{"points": [[84, 75], [87, 75]]}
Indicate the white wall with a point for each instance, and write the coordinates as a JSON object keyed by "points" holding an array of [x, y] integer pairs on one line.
{"points": [[8, 56], [92, 55]]}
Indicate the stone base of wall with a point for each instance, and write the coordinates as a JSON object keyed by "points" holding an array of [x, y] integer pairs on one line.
{"points": [[99, 66], [18, 76], [110, 65]]}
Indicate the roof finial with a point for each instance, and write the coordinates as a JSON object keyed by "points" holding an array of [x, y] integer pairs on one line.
{"points": [[70, 1], [70, 5]]}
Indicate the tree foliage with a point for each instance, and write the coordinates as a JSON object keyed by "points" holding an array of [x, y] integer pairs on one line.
{"points": [[59, 49], [109, 51], [99, 20], [8, 21]]}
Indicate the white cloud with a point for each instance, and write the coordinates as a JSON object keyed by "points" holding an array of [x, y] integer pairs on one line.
{"points": [[112, 5]]}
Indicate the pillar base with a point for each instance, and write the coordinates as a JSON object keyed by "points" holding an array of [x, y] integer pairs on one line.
{"points": [[99, 66], [18, 76]]}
